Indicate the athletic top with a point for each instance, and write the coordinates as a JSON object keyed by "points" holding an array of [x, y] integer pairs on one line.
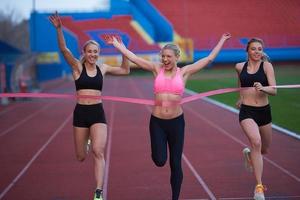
{"points": [[247, 80], [86, 82], [173, 85]]}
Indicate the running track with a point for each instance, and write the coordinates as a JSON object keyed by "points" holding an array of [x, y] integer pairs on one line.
{"points": [[37, 158]]}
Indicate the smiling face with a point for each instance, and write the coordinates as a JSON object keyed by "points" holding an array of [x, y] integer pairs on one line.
{"points": [[255, 49], [169, 56], [91, 53]]}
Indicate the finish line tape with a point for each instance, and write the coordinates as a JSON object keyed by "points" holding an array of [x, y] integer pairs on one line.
{"points": [[133, 100]]}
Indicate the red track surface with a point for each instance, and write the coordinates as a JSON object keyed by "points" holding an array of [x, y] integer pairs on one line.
{"points": [[37, 158]]}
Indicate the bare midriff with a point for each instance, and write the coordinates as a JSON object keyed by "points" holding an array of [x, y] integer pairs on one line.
{"points": [[94, 99], [167, 106], [252, 97]]}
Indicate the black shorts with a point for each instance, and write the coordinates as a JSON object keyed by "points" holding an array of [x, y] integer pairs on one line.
{"points": [[261, 115], [87, 115]]}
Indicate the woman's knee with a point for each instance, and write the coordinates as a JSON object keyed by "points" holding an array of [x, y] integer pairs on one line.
{"points": [[256, 144], [98, 153], [264, 150], [159, 162], [80, 157]]}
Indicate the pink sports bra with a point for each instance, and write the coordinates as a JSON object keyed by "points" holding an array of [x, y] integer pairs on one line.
{"points": [[163, 84]]}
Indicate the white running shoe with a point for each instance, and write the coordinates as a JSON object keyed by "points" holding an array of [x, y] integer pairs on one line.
{"points": [[88, 146], [247, 159], [259, 192]]}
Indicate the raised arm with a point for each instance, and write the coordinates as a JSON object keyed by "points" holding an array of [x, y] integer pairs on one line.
{"points": [[124, 69], [195, 67], [71, 60], [118, 44]]}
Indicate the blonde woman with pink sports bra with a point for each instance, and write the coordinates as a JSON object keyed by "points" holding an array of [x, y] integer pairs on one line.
{"points": [[167, 119]]}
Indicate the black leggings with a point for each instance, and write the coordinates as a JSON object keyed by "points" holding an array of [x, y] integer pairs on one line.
{"points": [[171, 132]]}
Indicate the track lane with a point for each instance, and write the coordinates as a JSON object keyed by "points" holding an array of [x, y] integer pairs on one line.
{"points": [[215, 156]]}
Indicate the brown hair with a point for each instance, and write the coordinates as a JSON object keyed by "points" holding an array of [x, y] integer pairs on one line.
{"points": [[264, 57]]}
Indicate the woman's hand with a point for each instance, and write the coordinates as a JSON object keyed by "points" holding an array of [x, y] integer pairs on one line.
{"points": [[55, 20], [226, 36], [113, 39], [258, 86]]}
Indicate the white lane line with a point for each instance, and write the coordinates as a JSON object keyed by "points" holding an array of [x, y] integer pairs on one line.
{"points": [[13, 107], [190, 166], [24, 120], [250, 198], [199, 179], [224, 132], [23, 171], [267, 197], [108, 153], [108, 150], [231, 109]]}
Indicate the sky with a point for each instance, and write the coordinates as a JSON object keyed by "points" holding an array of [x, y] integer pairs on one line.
{"points": [[20, 9]]}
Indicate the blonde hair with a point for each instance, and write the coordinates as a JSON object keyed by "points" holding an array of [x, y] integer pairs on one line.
{"points": [[172, 47], [264, 57], [82, 57]]}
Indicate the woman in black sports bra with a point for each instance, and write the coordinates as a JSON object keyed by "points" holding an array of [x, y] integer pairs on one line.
{"points": [[255, 112], [89, 118]]}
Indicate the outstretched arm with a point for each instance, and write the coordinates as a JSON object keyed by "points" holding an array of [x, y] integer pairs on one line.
{"points": [[116, 42], [195, 67], [71, 60]]}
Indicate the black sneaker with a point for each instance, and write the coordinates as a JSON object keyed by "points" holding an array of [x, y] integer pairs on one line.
{"points": [[98, 195]]}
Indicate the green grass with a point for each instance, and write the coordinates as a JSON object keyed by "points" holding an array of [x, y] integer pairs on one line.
{"points": [[285, 105]]}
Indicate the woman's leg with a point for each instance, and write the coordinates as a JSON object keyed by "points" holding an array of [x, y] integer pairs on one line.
{"points": [[81, 136], [158, 142], [266, 137], [252, 132], [98, 136], [176, 142]]}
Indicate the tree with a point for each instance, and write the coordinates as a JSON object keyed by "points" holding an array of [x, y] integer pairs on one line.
{"points": [[14, 33]]}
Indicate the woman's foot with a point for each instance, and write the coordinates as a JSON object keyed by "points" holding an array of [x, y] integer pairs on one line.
{"points": [[247, 159], [259, 192], [98, 194], [88, 146]]}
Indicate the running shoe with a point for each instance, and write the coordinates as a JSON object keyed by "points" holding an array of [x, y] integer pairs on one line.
{"points": [[247, 159], [98, 195], [259, 192], [88, 146]]}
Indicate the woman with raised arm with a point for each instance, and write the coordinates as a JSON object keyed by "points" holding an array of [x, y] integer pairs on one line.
{"points": [[167, 119], [255, 112], [89, 117]]}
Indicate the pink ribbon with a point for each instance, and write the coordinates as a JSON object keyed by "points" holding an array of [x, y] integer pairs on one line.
{"points": [[74, 96], [209, 93], [133, 100]]}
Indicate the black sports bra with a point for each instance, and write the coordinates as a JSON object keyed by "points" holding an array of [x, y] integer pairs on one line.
{"points": [[247, 80], [86, 82]]}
